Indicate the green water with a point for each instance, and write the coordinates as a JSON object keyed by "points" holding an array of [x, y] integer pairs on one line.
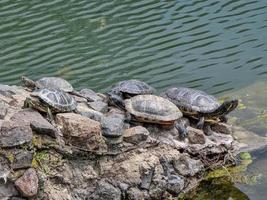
{"points": [[217, 46]]}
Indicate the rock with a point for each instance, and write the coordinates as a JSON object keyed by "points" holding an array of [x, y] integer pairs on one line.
{"points": [[106, 191], [44, 128], [135, 194], [13, 135], [84, 110], [32, 118], [88, 93], [135, 135], [3, 109], [195, 136], [112, 126], [186, 166], [81, 131], [146, 171], [27, 184], [175, 184], [158, 187], [222, 128], [4, 168], [22, 159], [99, 106], [7, 191]]}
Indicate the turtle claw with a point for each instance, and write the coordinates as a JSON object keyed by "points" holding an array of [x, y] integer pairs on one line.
{"points": [[200, 124], [182, 131]]}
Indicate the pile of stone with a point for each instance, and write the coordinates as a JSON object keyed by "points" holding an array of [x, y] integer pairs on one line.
{"points": [[98, 152]]}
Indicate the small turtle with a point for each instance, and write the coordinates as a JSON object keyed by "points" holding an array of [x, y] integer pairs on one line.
{"points": [[154, 109], [51, 82], [127, 89], [199, 105], [50, 101]]}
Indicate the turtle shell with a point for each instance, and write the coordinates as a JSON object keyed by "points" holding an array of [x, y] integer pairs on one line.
{"points": [[57, 99], [191, 100], [133, 86], [152, 109], [54, 82]]}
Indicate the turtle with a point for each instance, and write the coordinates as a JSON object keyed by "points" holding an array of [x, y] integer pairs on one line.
{"points": [[126, 89], [154, 109], [199, 105], [52, 82], [51, 100]]}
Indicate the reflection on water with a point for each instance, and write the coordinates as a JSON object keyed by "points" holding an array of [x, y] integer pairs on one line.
{"points": [[217, 189]]}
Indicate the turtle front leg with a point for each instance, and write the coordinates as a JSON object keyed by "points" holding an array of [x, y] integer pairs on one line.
{"points": [[200, 123], [182, 130], [50, 115], [207, 130]]}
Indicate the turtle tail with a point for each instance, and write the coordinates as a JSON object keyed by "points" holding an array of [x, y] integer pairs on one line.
{"points": [[225, 108]]}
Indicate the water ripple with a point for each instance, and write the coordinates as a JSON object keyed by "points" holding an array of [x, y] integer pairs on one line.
{"points": [[216, 46]]}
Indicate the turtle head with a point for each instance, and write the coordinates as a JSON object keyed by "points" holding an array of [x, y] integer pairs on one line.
{"points": [[28, 82], [116, 99]]}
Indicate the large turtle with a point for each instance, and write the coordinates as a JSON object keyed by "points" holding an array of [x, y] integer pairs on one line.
{"points": [[199, 105], [154, 109], [50, 101], [51, 82], [126, 89]]}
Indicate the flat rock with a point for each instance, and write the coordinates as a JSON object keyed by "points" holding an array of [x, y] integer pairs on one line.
{"points": [[222, 128], [135, 135], [99, 106], [22, 159], [27, 184], [186, 166], [112, 126], [12, 134], [80, 131], [32, 118], [84, 110], [195, 136]]}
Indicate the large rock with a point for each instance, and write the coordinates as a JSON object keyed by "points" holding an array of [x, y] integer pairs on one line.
{"points": [[27, 184], [32, 118], [81, 131], [12, 134], [135, 135]]}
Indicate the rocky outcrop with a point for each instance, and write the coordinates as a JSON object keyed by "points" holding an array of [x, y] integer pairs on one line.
{"points": [[97, 153]]}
